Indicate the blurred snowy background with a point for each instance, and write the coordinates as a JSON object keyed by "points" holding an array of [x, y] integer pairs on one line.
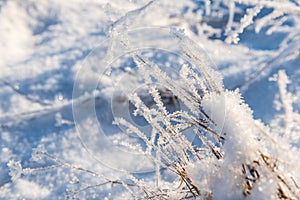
{"points": [[44, 43]]}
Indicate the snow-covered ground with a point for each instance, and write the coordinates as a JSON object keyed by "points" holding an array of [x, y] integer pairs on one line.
{"points": [[53, 55]]}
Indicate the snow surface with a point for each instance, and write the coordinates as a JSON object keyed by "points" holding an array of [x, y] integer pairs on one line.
{"points": [[44, 44]]}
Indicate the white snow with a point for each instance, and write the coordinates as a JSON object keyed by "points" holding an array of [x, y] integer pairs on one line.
{"points": [[30, 190], [47, 47]]}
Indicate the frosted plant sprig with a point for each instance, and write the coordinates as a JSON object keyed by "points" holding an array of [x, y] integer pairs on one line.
{"points": [[168, 144], [249, 13], [166, 156], [185, 72], [171, 145], [212, 147], [212, 78], [286, 185], [246, 21], [157, 99], [17, 170], [187, 97], [286, 101], [154, 120], [134, 130], [268, 19], [149, 69]]}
